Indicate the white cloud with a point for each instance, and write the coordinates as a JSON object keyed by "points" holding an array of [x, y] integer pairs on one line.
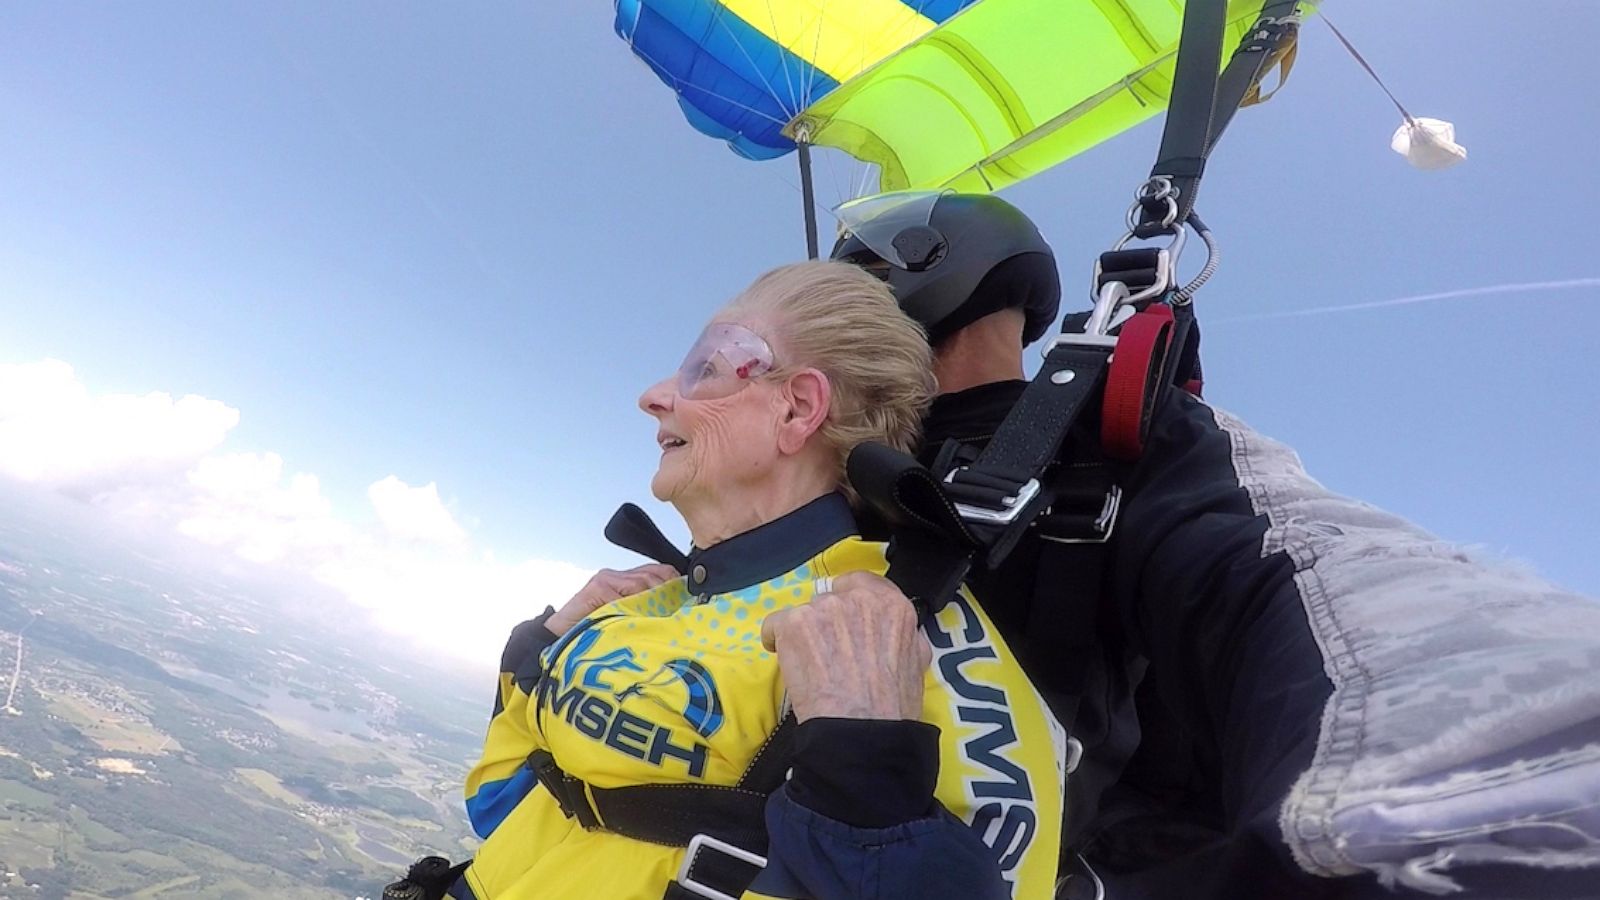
{"points": [[162, 461], [53, 432], [465, 605], [414, 513], [243, 501]]}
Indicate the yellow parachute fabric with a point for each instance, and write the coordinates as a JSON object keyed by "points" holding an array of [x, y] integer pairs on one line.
{"points": [[1008, 88]]}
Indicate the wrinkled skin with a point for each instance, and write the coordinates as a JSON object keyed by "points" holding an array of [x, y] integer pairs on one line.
{"points": [[730, 441], [732, 462], [854, 652]]}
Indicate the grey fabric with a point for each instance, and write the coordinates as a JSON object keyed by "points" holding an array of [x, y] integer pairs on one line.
{"points": [[1464, 725]]}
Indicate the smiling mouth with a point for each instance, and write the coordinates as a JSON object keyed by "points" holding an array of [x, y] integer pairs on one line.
{"points": [[671, 443]]}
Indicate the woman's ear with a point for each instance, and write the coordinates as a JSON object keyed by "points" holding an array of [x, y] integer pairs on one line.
{"points": [[809, 397]]}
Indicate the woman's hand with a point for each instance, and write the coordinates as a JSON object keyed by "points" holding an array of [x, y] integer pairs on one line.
{"points": [[853, 653], [607, 585]]}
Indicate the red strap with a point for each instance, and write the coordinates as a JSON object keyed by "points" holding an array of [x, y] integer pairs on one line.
{"points": [[1137, 368]]}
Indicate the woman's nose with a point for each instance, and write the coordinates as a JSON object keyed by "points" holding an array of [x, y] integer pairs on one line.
{"points": [[657, 398]]}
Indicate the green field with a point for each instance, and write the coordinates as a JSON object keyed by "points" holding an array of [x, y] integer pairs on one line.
{"points": [[184, 736]]}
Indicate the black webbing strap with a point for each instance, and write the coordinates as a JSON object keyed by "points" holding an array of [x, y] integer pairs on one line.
{"points": [[1135, 268], [1273, 33], [667, 814], [1203, 101], [676, 815], [1033, 430], [672, 814], [1186, 135], [930, 548], [726, 874], [1006, 479]]}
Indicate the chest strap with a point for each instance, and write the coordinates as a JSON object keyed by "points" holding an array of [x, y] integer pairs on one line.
{"points": [[667, 814], [723, 827]]}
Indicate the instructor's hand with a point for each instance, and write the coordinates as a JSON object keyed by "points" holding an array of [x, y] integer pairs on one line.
{"points": [[607, 585], [852, 653]]}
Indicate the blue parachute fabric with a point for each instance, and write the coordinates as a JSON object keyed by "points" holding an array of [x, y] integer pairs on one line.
{"points": [[733, 82], [939, 10]]}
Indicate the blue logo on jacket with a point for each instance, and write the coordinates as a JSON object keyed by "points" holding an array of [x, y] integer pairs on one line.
{"points": [[589, 692], [703, 709]]}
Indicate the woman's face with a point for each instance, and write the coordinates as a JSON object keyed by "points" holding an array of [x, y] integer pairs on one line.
{"points": [[717, 418]]}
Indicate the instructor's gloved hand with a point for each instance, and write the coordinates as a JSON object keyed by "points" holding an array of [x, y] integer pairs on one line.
{"points": [[853, 652]]}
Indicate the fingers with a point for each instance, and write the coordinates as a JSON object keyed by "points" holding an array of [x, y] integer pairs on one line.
{"points": [[865, 581], [606, 586], [854, 651], [609, 584], [770, 626]]}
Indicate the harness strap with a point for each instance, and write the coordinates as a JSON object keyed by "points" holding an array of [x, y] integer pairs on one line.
{"points": [[1185, 138], [1136, 379], [667, 814], [721, 874], [1203, 101], [930, 548], [1273, 42], [723, 827], [1000, 493]]}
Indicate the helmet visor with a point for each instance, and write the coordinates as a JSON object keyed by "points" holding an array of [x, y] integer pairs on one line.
{"points": [[723, 360], [876, 221]]}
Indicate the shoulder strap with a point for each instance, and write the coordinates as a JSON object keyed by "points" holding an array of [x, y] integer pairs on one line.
{"points": [[930, 547]]}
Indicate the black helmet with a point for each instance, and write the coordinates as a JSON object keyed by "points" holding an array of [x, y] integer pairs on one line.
{"points": [[952, 259]]}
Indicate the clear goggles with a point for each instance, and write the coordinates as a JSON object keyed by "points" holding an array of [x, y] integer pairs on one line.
{"points": [[723, 360]]}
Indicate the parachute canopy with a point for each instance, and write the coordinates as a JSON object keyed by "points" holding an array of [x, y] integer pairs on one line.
{"points": [[744, 69], [937, 93]]}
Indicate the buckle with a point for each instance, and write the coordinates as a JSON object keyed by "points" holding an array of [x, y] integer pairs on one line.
{"points": [[1103, 525], [1012, 504], [705, 841]]}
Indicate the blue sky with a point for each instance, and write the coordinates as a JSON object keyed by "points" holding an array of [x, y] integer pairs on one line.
{"points": [[451, 244]]}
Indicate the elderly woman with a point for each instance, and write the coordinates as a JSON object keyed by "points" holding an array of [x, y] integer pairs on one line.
{"points": [[636, 749]]}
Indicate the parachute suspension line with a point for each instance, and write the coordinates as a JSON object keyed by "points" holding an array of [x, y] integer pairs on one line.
{"points": [[680, 87], [866, 175], [802, 142], [743, 51], [1362, 61], [816, 44], [795, 104]]}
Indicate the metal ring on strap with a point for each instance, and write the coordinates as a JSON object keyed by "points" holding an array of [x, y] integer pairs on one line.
{"points": [[1168, 218]]}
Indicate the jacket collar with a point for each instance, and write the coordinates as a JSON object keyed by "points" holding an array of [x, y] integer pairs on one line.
{"points": [[770, 550]]}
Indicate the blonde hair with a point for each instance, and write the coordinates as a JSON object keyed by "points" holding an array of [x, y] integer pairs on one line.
{"points": [[839, 319]]}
